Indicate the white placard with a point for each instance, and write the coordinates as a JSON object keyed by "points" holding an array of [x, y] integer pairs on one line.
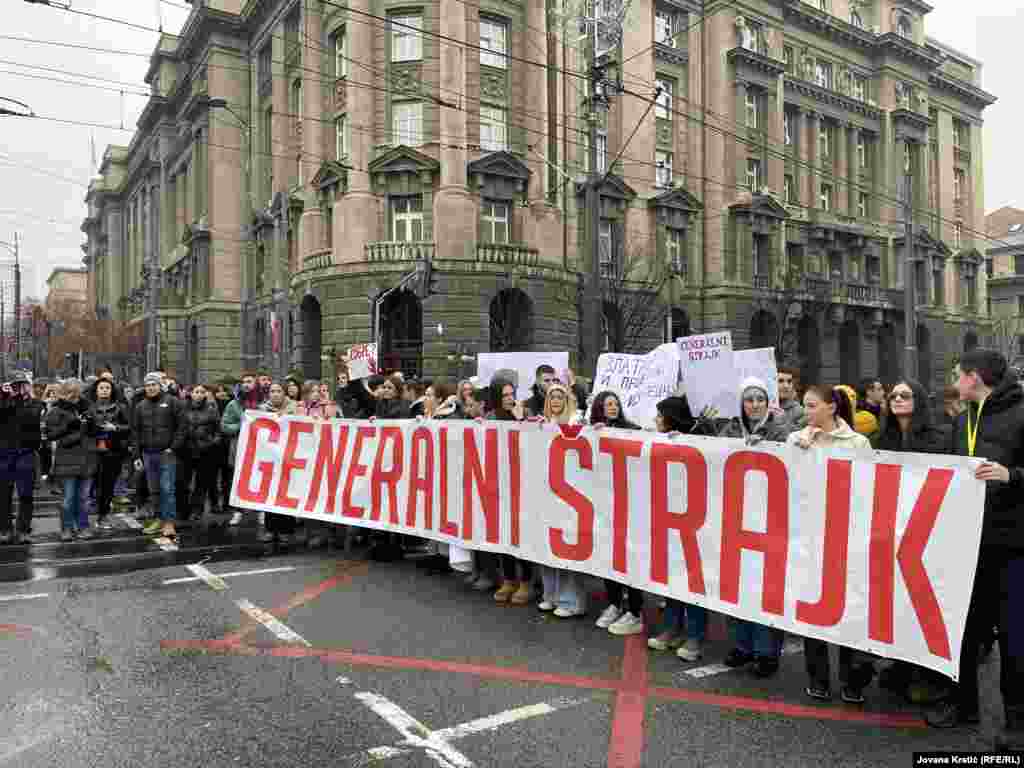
{"points": [[523, 363], [362, 361], [707, 366], [759, 363], [640, 381]]}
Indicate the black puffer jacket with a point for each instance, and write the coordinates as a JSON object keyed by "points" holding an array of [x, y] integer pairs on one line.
{"points": [[20, 423], [395, 408], [922, 437], [76, 453], [202, 429], [116, 413], [1001, 439], [158, 424]]}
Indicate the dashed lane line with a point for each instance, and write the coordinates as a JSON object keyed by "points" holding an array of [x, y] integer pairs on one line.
{"points": [[233, 574], [276, 627], [12, 598]]}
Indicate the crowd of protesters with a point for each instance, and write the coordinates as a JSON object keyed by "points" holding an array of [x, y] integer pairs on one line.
{"points": [[177, 446]]}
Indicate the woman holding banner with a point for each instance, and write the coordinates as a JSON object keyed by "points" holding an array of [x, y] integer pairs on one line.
{"points": [[315, 406], [563, 590], [829, 414], [278, 527]]}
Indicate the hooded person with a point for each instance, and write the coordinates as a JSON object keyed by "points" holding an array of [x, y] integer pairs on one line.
{"points": [[756, 421]]}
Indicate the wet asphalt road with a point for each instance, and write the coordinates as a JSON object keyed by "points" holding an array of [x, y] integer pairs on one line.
{"points": [[382, 665]]}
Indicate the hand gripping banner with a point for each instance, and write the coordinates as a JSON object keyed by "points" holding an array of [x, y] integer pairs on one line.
{"points": [[877, 553]]}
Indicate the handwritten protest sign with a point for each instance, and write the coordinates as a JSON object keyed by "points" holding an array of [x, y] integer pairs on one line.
{"points": [[523, 363], [759, 363], [640, 381], [362, 361], [706, 362]]}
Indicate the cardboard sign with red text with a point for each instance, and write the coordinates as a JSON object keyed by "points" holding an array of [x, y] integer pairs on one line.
{"points": [[876, 553], [362, 361]]}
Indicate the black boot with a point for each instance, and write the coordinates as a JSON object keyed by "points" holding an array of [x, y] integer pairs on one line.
{"points": [[1011, 738]]}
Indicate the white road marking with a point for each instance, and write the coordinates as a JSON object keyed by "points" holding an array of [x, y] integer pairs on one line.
{"points": [[708, 670], [208, 577], [233, 574], [414, 733], [277, 628], [424, 739], [10, 598], [128, 520]]}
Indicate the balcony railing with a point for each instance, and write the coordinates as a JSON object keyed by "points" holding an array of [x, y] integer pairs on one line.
{"points": [[862, 294], [399, 250], [506, 253], [318, 259], [762, 282]]}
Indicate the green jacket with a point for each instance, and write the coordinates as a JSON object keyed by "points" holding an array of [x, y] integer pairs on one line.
{"points": [[231, 425]]}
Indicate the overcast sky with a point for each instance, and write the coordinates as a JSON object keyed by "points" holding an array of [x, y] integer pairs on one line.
{"points": [[45, 166]]}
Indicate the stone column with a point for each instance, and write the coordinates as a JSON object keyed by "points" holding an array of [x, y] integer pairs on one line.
{"points": [[812, 126], [311, 234], [455, 211], [799, 152], [775, 111], [842, 195], [356, 212]]}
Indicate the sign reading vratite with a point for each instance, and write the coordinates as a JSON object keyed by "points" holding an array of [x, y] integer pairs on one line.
{"points": [[771, 534], [640, 381], [362, 361]]}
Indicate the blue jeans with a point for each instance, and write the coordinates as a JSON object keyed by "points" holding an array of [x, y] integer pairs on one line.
{"points": [[161, 470], [75, 513], [564, 589], [695, 617], [757, 639]]}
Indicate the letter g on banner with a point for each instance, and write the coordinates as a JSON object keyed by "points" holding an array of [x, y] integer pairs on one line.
{"points": [[243, 481]]}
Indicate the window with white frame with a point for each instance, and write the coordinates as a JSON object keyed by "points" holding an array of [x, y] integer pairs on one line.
{"points": [[674, 240], [753, 111], [788, 189], [493, 129], [823, 73], [341, 143], [665, 27], [862, 204], [663, 107], [959, 185], [860, 87], [493, 43], [754, 174], [407, 218], [494, 217], [663, 173], [340, 53], [862, 151], [605, 250], [788, 57], [602, 152], [406, 37], [825, 197], [407, 123], [788, 127], [825, 140]]}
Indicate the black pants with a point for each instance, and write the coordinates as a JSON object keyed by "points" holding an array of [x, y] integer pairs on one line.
{"points": [[634, 596], [514, 569], [204, 471], [45, 458], [106, 478], [855, 668], [997, 600], [17, 469], [141, 488], [280, 524]]}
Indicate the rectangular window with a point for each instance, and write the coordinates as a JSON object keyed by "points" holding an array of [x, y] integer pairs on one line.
{"points": [[759, 256], [787, 55], [602, 152], [663, 108], [959, 185], [493, 43], [825, 140], [752, 109], [823, 74], [972, 291], [860, 87], [494, 222], [754, 174], [938, 288], [788, 190], [493, 130], [862, 204], [606, 259], [406, 37], [788, 127], [663, 173], [407, 123], [341, 137], [340, 53], [1018, 265], [825, 198], [665, 28], [959, 134], [988, 268], [674, 240], [407, 218], [1020, 305], [823, 5], [862, 151], [265, 68], [958, 235]]}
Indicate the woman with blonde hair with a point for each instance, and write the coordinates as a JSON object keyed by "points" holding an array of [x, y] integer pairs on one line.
{"points": [[563, 589]]}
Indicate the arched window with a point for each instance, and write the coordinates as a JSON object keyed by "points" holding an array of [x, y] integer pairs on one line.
{"points": [[312, 320], [511, 314]]}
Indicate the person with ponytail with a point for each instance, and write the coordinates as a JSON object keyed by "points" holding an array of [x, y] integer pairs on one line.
{"points": [[829, 413]]}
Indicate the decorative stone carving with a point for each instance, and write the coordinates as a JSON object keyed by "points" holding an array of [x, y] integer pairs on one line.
{"points": [[492, 86], [340, 95], [922, 101], [405, 79], [664, 128]]}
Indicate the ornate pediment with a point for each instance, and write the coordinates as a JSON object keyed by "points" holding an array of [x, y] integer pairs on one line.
{"points": [[677, 199], [762, 205], [503, 164], [612, 187], [926, 243], [331, 174], [404, 159]]}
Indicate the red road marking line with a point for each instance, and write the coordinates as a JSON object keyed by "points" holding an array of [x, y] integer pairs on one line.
{"points": [[626, 745], [18, 630], [546, 678]]}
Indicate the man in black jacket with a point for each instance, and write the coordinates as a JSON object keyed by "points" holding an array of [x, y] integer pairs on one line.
{"points": [[992, 428], [20, 437], [159, 433]]}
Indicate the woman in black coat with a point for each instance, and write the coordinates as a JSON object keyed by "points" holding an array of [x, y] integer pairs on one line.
{"points": [[108, 427], [74, 463]]}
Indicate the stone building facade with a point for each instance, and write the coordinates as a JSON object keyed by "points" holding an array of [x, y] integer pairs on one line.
{"points": [[317, 174], [1005, 266]]}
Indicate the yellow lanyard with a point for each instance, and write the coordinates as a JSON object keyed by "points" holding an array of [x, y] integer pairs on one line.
{"points": [[972, 432]]}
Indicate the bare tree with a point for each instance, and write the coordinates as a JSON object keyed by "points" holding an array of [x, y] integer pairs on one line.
{"points": [[632, 284], [793, 296], [1006, 334]]}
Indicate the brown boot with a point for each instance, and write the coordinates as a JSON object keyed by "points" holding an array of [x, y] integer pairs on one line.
{"points": [[506, 591], [522, 595]]}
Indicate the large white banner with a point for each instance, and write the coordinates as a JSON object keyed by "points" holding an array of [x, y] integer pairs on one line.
{"points": [[640, 381], [523, 363], [772, 534]]}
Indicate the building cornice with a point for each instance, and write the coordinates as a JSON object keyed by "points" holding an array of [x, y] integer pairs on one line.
{"points": [[973, 95], [833, 98], [748, 59], [826, 24], [908, 50], [671, 55]]}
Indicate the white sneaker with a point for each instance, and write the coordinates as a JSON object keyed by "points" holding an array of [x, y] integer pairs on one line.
{"points": [[691, 650], [546, 606], [627, 624], [236, 518], [568, 613], [263, 518], [610, 616]]}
